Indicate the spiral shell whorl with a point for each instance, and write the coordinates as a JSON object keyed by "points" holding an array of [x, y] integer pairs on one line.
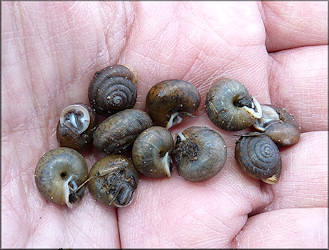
{"points": [[58, 174], [230, 107], [258, 157], [151, 152], [200, 153], [113, 89]]}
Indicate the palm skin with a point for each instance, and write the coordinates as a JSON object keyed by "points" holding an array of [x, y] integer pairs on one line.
{"points": [[278, 50]]}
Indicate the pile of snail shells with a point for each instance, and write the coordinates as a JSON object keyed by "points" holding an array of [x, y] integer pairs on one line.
{"points": [[61, 174], [230, 107]]}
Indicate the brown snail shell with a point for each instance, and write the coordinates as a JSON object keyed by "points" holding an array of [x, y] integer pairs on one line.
{"points": [[60, 175], [118, 132], [113, 89], [230, 107], [200, 153], [113, 181], [169, 101], [259, 157], [279, 125], [151, 152], [76, 126]]}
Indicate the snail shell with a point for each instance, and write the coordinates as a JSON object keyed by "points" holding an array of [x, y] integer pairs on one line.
{"points": [[279, 125], [151, 152], [76, 126], [119, 131], [200, 153], [169, 101], [60, 175], [113, 181], [113, 89], [230, 107], [259, 157]]}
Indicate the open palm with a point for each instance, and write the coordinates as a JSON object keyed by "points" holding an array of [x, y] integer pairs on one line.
{"points": [[50, 51]]}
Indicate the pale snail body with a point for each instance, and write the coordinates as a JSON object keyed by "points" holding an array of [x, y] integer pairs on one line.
{"points": [[279, 125], [200, 153], [113, 89], [118, 132], [259, 157], [151, 152], [76, 126], [59, 175], [230, 107], [113, 181], [169, 101]]}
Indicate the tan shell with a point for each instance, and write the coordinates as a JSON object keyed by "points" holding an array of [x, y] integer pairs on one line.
{"points": [[59, 174], [168, 102]]}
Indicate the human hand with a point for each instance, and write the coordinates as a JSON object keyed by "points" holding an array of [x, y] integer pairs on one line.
{"points": [[277, 50]]}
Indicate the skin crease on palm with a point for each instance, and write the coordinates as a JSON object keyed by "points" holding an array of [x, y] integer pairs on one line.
{"points": [[50, 51]]}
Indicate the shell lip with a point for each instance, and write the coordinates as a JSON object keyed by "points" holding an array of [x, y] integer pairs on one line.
{"points": [[269, 117], [166, 160], [177, 117], [256, 110], [75, 117]]}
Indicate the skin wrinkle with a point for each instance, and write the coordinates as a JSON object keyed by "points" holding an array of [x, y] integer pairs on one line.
{"points": [[27, 37], [29, 86], [75, 227], [126, 29], [28, 209], [22, 196], [266, 190], [198, 58], [190, 68], [70, 29], [171, 22], [284, 22], [13, 209], [28, 72], [16, 174]]}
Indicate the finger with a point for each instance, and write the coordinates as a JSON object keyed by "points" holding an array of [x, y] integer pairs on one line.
{"points": [[286, 228], [294, 24], [304, 179], [298, 81]]}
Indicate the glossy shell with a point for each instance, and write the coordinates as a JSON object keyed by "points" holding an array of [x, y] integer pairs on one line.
{"points": [[168, 102], [118, 132], [76, 126], [113, 181], [230, 107], [151, 152], [259, 158], [200, 153], [279, 125], [113, 89], [59, 174]]}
